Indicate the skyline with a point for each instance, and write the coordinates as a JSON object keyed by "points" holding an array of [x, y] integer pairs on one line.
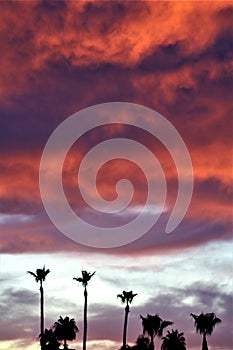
{"points": [[59, 57]]}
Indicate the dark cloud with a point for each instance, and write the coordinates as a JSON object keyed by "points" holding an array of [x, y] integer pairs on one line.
{"points": [[36, 235], [170, 305], [164, 58], [222, 48], [20, 308], [205, 298], [174, 56], [175, 303]]}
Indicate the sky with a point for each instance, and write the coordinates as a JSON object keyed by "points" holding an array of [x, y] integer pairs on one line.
{"points": [[172, 57]]}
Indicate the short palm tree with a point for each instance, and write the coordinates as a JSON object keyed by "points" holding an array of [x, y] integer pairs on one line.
{"points": [[86, 276], [173, 340], [126, 298], [153, 326], [205, 324], [49, 340], [40, 277], [65, 329], [142, 343]]}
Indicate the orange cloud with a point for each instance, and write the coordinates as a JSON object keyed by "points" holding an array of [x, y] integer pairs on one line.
{"points": [[91, 34], [174, 57]]}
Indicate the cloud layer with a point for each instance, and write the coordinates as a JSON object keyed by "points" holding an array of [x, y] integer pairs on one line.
{"points": [[174, 304], [174, 57]]}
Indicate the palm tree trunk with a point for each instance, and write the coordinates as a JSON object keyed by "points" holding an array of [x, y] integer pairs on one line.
{"points": [[125, 326], [204, 343], [65, 344], [152, 345], [85, 320], [41, 309]]}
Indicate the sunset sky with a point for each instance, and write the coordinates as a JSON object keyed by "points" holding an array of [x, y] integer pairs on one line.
{"points": [[59, 57]]}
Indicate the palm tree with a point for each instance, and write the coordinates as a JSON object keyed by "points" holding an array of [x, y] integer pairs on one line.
{"points": [[173, 340], [40, 277], [126, 297], [142, 343], [205, 324], [153, 326], [86, 276], [49, 340], [65, 329]]}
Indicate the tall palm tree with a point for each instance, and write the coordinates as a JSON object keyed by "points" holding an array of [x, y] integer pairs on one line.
{"points": [[65, 329], [40, 277], [173, 340], [205, 324], [86, 276], [126, 297], [153, 326]]}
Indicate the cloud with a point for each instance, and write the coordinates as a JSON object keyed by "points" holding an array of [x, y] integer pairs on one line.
{"points": [[173, 305], [212, 187], [156, 295], [20, 308], [14, 304], [105, 321], [174, 57], [91, 35]]}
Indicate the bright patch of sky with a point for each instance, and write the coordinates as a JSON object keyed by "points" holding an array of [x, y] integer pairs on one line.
{"points": [[15, 218], [148, 274]]}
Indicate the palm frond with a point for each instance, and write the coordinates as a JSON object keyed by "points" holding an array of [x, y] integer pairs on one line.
{"points": [[205, 323], [126, 296], [86, 276], [32, 273], [79, 279], [163, 325], [121, 296], [40, 274], [216, 321], [194, 316]]}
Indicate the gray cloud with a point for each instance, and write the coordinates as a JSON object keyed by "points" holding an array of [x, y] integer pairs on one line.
{"points": [[20, 307]]}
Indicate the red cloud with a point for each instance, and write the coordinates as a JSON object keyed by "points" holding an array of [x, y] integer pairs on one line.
{"points": [[171, 56]]}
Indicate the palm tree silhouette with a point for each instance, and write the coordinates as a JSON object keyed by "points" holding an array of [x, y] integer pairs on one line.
{"points": [[126, 297], [49, 340], [86, 276], [65, 329], [142, 343], [40, 277], [173, 340], [205, 324], [153, 326]]}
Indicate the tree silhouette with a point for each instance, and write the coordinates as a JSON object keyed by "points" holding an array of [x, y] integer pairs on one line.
{"points": [[49, 340], [65, 329], [153, 326], [142, 343], [40, 277], [173, 340], [205, 324], [86, 276], [126, 297]]}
